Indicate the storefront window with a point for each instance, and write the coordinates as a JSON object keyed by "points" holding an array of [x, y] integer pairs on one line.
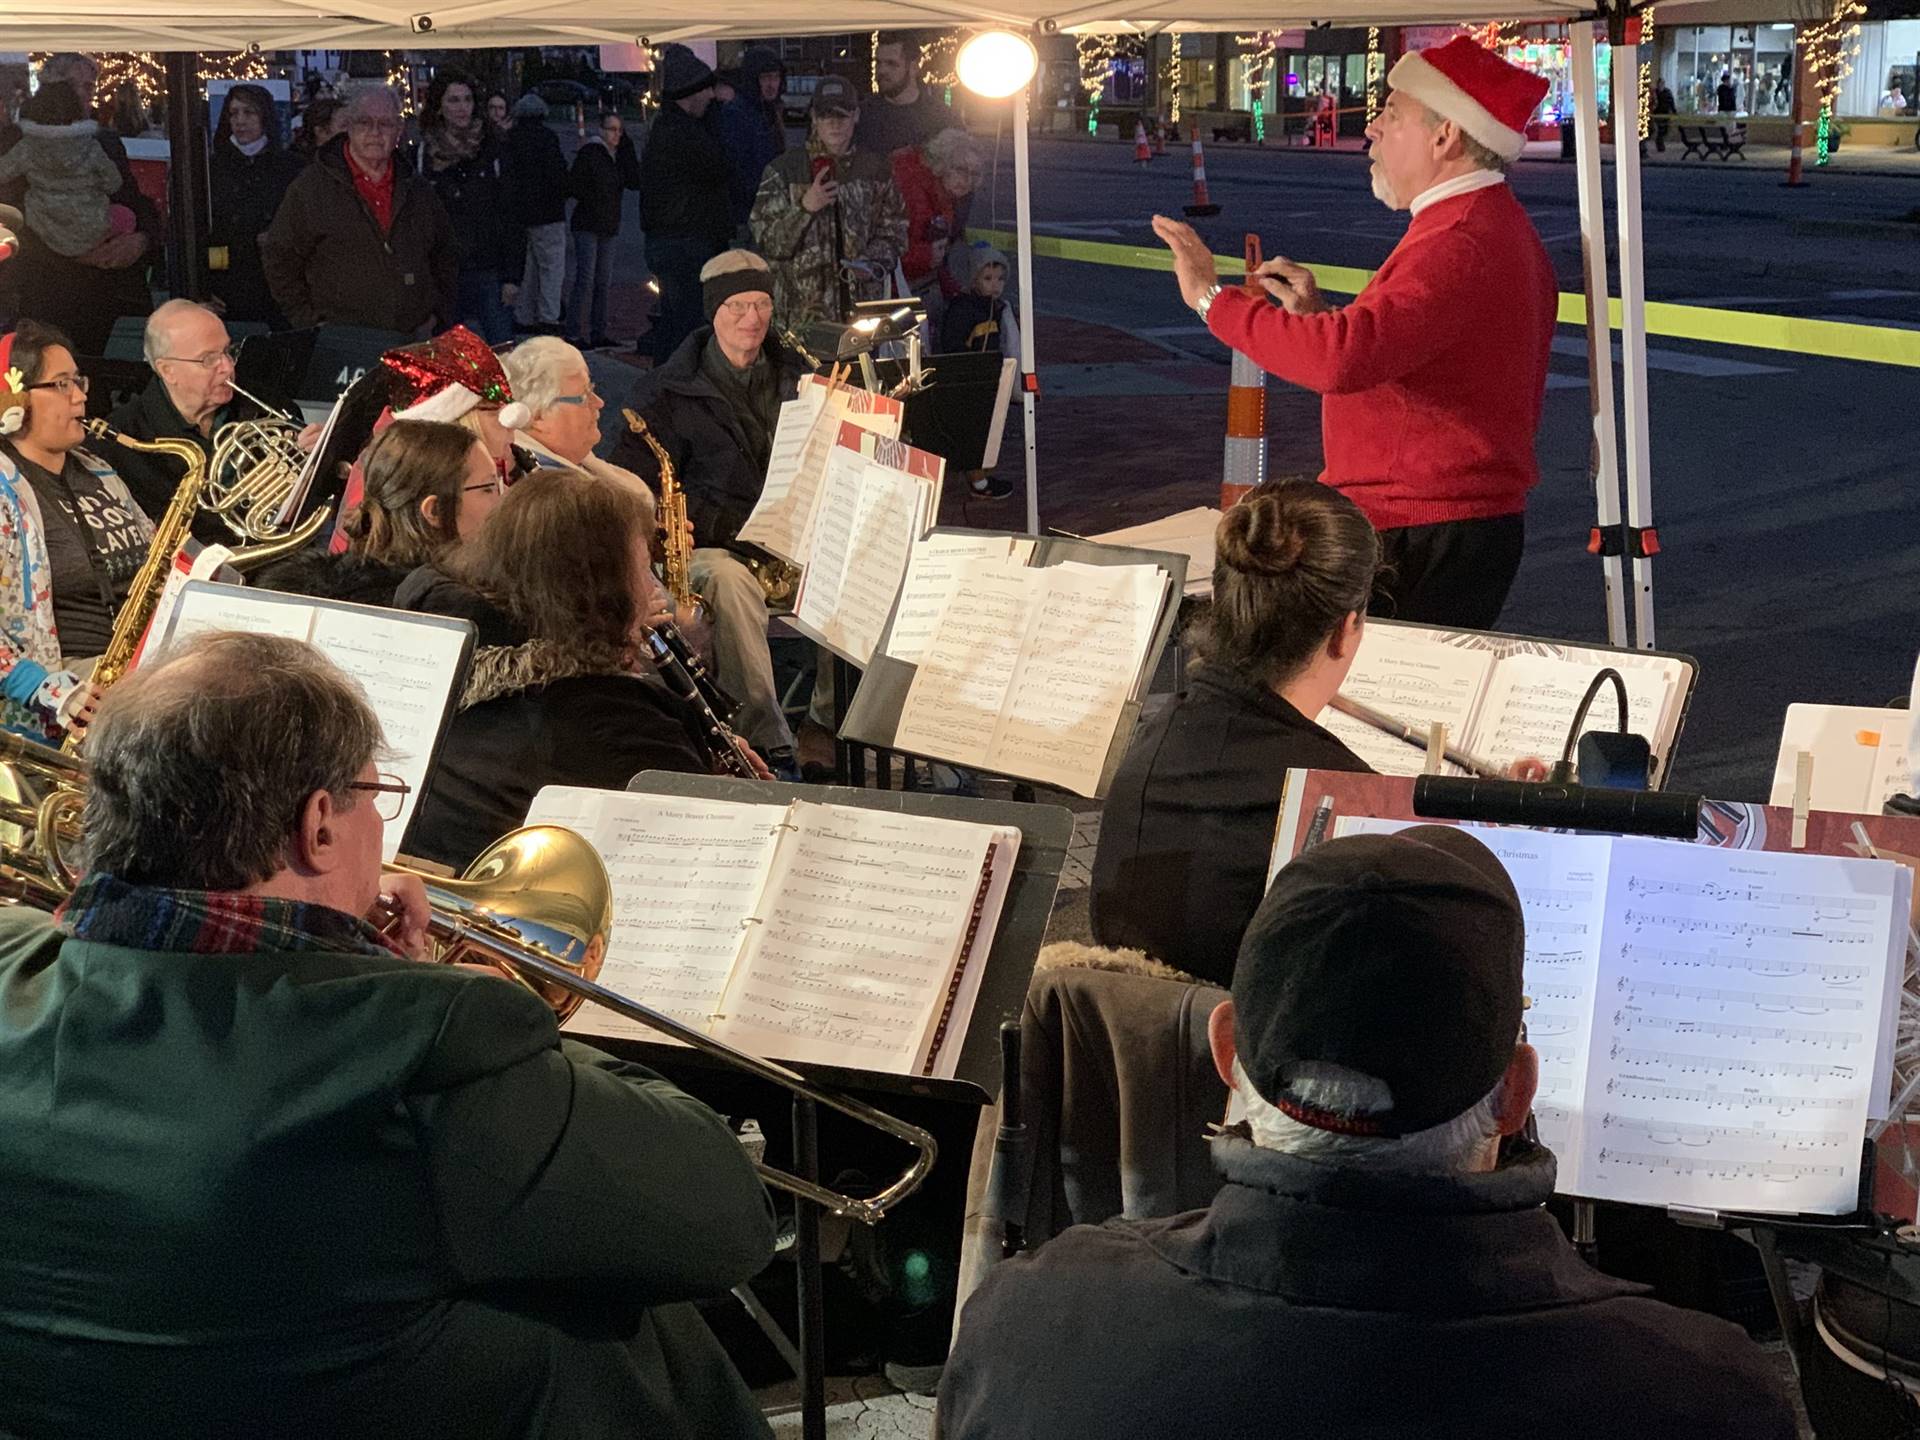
{"points": [[1884, 76]]}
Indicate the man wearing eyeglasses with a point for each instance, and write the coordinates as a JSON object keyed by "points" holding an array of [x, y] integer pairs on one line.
{"points": [[234, 1122], [360, 239], [190, 397]]}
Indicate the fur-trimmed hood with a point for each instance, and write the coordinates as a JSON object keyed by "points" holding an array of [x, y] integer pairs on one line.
{"points": [[78, 130], [500, 670], [1076, 955]]}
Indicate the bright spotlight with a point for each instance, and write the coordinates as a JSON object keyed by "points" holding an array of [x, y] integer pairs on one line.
{"points": [[996, 63]]}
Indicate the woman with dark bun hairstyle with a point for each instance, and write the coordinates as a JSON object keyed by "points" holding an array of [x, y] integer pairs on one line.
{"points": [[1189, 820]]}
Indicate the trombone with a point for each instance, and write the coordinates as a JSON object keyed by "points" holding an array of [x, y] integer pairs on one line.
{"points": [[538, 906]]}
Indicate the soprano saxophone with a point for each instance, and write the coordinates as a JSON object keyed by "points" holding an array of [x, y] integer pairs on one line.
{"points": [[143, 597]]}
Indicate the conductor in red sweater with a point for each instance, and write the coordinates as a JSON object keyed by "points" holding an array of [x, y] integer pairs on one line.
{"points": [[1433, 378]]}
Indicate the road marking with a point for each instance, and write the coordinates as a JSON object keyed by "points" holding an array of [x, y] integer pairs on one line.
{"points": [[1795, 334], [1677, 361], [1869, 320]]}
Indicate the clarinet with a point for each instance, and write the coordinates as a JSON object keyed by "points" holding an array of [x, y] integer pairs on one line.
{"points": [[711, 694], [722, 745]]}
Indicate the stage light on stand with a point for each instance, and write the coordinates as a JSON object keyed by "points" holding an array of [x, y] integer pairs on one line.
{"points": [[996, 63]]}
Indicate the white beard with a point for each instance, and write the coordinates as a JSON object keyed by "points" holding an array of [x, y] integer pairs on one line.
{"points": [[1383, 189]]}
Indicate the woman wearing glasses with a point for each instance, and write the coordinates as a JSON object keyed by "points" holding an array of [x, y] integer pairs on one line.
{"points": [[71, 539], [429, 487]]}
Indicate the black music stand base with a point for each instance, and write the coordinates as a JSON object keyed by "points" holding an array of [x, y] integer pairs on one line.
{"points": [[808, 1281]]}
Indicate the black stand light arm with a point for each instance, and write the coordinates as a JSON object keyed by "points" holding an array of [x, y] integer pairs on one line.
{"points": [[1562, 771]]}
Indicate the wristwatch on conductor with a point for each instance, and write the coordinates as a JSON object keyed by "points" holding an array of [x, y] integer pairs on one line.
{"points": [[1205, 302]]}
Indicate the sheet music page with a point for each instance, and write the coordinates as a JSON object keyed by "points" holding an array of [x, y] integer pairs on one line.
{"points": [[885, 526], [1892, 768], [407, 670], [1743, 1002], [1562, 880], [952, 710], [933, 569], [204, 607], [1079, 668], [864, 917], [1190, 533], [826, 558], [779, 515], [1531, 701], [686, 874], [1415, 677]]}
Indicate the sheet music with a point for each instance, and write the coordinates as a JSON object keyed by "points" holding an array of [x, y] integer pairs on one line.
{"points": [[686, 876], [1412, 677], [229, 607], [933, 570], [407, 670], [1080, 667], [1860, 756], [1190, 533], [861, 924], [1562, 880], [1741, 1027], [1531, 701], [783, 517], [868, 519], [953, 706]]}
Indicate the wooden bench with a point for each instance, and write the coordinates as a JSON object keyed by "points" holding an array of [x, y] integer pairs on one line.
{"points": [[1726, 141]]}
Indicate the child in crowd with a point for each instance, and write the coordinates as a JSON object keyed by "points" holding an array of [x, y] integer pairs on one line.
{"points": [[978, 318], [69, 177]]}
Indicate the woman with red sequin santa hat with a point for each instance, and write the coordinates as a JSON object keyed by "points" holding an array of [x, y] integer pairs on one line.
{"points": [[1433, 378], [454, 378]]}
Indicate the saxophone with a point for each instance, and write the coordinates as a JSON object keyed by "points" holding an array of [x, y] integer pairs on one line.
{"points": [[143, 598], [676, 545]]}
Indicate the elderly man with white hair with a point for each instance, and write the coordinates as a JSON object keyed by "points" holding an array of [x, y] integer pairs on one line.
{"points": [[190, 396], [1379, 1260], [360, 239]]}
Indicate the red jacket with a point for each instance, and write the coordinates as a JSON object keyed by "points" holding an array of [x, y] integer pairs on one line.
{"points": [[929, 213], [1434, 376]]}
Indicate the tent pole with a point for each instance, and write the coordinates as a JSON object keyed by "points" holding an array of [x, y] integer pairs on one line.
{"points": [[187, 204], [1633, 323], [1605, 452], [1029, 382]]}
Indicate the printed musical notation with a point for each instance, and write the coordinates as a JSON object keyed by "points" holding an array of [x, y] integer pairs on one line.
{"points": [[1746, 931], [1531, 701], [1627, 1020], [1408, 674], [1677, 1132], [1687, 1063], [1772, 1172], [1759, 965], [1710, 1099], [1757, 999], [1751, 895]]}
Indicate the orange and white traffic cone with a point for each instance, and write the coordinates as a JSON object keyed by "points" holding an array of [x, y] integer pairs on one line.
{"points": [[1201, 204], [1159, 138], [1141, 154], [1246, 456], [580, 120]]}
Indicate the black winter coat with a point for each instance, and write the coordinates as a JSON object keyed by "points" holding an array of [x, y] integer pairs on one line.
{"points": [[327, 576], [328, 263], [696, 426], [533, 175], [1189, 820], [486, 232], [151, 415], [1311, 1300], [598, 190], [684, 174], [247, 191], [529, 720]]}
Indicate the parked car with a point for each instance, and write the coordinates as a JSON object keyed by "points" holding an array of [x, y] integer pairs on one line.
{"points": [[797, 97]]}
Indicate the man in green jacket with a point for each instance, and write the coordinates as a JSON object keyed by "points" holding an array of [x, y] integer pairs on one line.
{"points": [[264, 1176], [828, 217]]}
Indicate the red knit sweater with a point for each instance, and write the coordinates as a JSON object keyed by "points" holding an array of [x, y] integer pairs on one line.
{"points": [[1434, 376]]}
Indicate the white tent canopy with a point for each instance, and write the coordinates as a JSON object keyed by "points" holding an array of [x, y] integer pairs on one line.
{"points": [[225, 25]]}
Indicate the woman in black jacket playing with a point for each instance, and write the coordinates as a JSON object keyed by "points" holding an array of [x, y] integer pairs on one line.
{"points": [[560, 581]]}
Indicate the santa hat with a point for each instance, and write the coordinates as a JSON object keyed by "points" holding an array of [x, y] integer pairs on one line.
{"points": [[13, 389], [1473, 87], [449, 375]]}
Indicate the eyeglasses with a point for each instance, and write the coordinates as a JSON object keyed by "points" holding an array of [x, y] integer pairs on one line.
{"points": [[390, 793], [497, 485], [66, 384], [740, 309], [582, 398], [230, 356]]}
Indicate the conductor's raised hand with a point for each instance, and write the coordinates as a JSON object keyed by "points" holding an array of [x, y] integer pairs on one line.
{"points": [[1293, 285], [1192, 262]]}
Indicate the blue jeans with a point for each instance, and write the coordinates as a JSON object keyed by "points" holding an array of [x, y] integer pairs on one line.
{"points": [[675, 261], [477, 305], [592, 284]]}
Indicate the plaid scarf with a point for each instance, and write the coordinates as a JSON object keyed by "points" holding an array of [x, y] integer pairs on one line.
{"points": [[109, 911]]}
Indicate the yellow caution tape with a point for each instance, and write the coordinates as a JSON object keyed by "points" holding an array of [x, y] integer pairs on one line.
{"points": [[1827, 339]]}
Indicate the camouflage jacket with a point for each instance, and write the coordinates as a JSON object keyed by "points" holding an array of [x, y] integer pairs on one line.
{"points": [[872, 220]]}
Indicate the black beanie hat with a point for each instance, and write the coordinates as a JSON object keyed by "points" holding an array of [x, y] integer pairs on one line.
{"points": [[682, 73], [728, 283], [1398, 956]]}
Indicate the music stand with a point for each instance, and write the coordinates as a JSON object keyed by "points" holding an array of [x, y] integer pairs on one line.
{"points": [[273, 365], [1045, 831], [961, 413]]}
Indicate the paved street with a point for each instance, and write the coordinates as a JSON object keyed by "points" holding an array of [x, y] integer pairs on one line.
{"points": [[1785, 486]]}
